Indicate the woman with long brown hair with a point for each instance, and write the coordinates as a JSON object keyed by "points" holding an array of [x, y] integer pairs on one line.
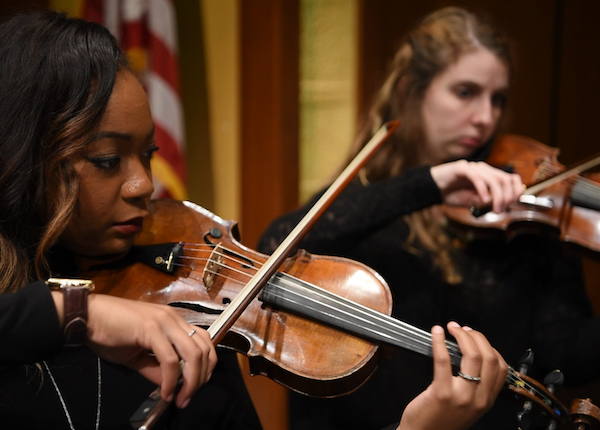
{"points": [[448, 85]]}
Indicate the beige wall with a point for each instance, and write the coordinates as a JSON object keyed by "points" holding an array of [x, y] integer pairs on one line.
{"points": [[328, 85], [220, 27]]}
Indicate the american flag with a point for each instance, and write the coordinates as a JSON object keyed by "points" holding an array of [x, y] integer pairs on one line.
{"points": [[147, 31]]}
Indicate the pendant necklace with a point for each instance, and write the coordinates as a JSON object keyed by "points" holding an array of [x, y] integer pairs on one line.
{"points": [[62, 400]]}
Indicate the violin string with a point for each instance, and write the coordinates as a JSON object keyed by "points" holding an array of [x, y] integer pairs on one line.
{"points": [[375, 316], [409, 332], [425, 338], [358, 315], [587, 187], [421, 337], [544, 170]]}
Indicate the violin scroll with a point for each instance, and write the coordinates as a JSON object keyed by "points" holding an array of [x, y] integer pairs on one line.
{"points": [[585, 415]]}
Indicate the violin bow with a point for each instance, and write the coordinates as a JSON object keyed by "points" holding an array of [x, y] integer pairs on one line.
{"points": [[579, 168], [150, 411], [536, 188]]}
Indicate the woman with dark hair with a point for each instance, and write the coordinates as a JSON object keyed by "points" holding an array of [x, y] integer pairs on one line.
{"points": [[448, 85], [76, 140]]}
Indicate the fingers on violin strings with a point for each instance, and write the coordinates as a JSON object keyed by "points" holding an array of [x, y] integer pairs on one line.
{"points": [[471, 361], [442, 369], [493, 367], [493, 371]]}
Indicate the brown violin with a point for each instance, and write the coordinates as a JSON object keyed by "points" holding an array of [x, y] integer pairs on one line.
{"points": [[190, 258], [315, 325], [585, 415], [559, 202]]}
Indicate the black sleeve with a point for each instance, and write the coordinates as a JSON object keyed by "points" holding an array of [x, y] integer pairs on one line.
{"points": [[357, 211], [29, 325]]}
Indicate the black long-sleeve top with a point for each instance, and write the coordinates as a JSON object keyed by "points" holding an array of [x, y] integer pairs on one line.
{"points": [[29, 326], [528, 293], [30, 333]]}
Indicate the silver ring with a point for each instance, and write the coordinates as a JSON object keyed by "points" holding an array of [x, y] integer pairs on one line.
{"points": [[190, 334], [469, 377]]}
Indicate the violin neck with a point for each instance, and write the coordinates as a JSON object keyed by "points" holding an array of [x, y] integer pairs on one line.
{"points": [[308, 300], [303, 298]]}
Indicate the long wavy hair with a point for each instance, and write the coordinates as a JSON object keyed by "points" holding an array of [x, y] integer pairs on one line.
{"points": [[438, 41], [56, 77]]}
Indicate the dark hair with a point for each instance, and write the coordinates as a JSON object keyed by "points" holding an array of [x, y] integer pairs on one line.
{"points": [[56, 77]]}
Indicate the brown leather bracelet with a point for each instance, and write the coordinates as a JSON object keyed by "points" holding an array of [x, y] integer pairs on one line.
{"points": [[75, 293]]}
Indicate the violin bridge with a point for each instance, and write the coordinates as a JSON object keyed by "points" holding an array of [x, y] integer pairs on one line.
{"points": [[213, 265]]}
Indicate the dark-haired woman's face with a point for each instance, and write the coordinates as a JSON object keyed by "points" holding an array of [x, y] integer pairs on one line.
{"points": [[462, 107], [115, 175]]}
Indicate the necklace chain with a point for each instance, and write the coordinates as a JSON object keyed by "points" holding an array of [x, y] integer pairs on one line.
{"points": [[62, 400]]}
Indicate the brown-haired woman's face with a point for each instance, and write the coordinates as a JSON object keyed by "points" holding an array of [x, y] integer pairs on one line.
{"points": [[462, 107], [115, 175]]}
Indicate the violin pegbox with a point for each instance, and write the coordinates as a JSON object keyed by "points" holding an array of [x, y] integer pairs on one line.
{"points": [[539, 398]]}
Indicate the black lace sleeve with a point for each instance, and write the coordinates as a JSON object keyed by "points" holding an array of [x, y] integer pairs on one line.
{"points": [[357, 211]]}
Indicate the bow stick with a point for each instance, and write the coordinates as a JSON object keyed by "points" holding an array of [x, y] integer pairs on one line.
{"points": [[151, 410]]}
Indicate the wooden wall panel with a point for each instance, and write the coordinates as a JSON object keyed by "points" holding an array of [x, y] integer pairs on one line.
{"points": [[578, 119], [269, 117], [269, 139]]}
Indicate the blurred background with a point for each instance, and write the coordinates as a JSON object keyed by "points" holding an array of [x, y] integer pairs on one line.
{"points": [[272, 92]]}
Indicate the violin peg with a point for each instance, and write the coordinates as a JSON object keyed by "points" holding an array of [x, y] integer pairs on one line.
{"points": [[554, 379], [525, 361], [524, 417]]}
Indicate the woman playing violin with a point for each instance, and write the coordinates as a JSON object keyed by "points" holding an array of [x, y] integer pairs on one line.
{"points": [[76, 138], [448, 85], [76, 141]]}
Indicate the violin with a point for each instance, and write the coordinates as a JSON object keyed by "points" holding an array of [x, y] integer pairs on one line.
{"points": [[585, 415], [314, 328], [559, 202]]}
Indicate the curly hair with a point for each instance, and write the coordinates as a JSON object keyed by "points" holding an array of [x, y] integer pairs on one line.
{"points": [[56, 77], [438, 41]]}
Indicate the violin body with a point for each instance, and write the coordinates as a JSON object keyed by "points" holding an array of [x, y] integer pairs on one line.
{"points": [[298, 353], [574, 217]]}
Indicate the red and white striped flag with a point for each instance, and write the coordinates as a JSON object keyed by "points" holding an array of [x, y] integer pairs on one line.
{"points": [[147, 31]]}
